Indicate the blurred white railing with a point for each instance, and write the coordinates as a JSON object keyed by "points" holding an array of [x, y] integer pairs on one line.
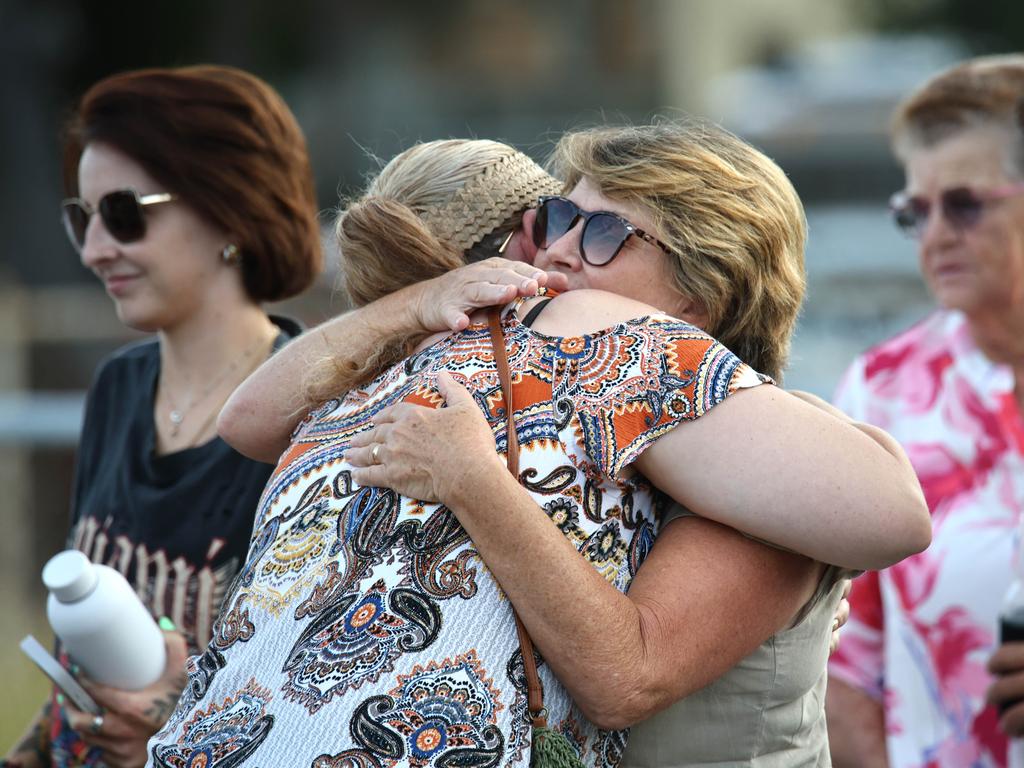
{"points": [[41, 419]]}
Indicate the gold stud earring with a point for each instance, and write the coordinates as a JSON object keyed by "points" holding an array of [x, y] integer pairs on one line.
{"points": [[230, 255]]}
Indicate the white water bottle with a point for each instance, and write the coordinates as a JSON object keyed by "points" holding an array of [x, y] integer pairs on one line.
{"points": [[1011, 629], [102, 623]]}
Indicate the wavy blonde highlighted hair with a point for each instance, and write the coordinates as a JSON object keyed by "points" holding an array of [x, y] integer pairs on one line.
{"points": [[730, 215], [432, 208]]}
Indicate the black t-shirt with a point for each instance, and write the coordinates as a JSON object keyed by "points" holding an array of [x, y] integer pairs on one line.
{"points": [[177, 526]]}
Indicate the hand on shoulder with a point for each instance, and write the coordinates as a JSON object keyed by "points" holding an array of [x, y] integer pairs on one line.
{"points": [[586, 311], [446, 302]]}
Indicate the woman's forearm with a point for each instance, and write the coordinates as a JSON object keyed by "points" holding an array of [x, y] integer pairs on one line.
{"points": [[786, 472], [705, 598], [886, 441], [561, 599], [261, 414]]}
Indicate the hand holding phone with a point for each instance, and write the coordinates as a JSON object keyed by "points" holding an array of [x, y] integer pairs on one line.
{"points": [[60, 676]]}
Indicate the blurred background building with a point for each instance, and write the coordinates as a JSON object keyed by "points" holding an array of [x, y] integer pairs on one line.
{"points": [[811, 83]]}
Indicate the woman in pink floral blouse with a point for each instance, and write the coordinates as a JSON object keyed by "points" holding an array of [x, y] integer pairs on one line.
{"points": [[908, 685]]}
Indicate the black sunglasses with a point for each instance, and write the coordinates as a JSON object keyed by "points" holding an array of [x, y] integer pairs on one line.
{"points": [[121, 211], [962, 207], [604, 233]]}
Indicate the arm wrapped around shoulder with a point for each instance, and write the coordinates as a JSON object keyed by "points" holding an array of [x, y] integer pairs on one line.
{"points": [[795, 475]]}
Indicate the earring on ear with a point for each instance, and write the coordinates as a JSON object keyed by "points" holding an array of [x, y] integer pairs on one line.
{"points": [[230, 255], [505, 242]]}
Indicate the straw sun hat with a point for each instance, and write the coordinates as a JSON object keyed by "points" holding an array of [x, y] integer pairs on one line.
{"points": [[510, 184]]}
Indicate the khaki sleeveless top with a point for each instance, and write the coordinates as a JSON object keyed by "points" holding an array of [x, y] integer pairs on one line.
{"points": [[767, 712]]}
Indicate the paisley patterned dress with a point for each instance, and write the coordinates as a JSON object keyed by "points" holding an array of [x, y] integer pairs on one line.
{"points": [[364, 629]]}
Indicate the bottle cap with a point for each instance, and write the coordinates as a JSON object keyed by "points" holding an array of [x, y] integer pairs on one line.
{"points": [[69, 576]]}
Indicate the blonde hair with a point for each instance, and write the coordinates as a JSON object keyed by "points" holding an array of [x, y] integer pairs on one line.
{"points": [[983, 92], [729, 214], [431, 209]]}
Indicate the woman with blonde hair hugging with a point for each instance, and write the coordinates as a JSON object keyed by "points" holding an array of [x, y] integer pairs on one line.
{"points": [[362, 619]]}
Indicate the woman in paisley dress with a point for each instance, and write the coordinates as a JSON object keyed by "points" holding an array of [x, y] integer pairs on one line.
{"points": [[364, 629]]}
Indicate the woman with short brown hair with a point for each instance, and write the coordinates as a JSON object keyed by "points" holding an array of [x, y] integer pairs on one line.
{"points": [[191, 198], [225, 142], [907, 686]]}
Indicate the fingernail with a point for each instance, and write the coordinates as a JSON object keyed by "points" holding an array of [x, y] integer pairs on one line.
{"points": [[60, 699], [166, 624], [75, 669]]}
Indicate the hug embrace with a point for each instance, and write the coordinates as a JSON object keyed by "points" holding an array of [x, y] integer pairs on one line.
{"points": [[679, 529]]}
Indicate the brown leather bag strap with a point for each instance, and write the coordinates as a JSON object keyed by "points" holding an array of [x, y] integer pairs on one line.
{"points": [[534, 693], [505, 377]]}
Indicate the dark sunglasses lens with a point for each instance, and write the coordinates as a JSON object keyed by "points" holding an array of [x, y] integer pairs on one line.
{"points": [[907, 218], [540, 225], [961, 207], [910, 215], [602, 239], [76, 221], [554, 219], [122, 216]]}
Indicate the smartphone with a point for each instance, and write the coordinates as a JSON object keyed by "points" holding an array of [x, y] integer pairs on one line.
{"points": [[60, 676]]}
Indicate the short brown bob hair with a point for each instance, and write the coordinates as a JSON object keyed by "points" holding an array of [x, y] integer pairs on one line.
{"points": [[227, 144], [987, 91]]}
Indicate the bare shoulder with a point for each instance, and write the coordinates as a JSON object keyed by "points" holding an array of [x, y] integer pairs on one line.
{"points": [[585, 311]]}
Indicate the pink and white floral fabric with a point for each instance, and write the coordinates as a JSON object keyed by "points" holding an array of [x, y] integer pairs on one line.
{"points": [[921, 632]]}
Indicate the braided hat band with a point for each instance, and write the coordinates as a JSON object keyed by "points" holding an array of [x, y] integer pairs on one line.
{"points": [[506, 187]]}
